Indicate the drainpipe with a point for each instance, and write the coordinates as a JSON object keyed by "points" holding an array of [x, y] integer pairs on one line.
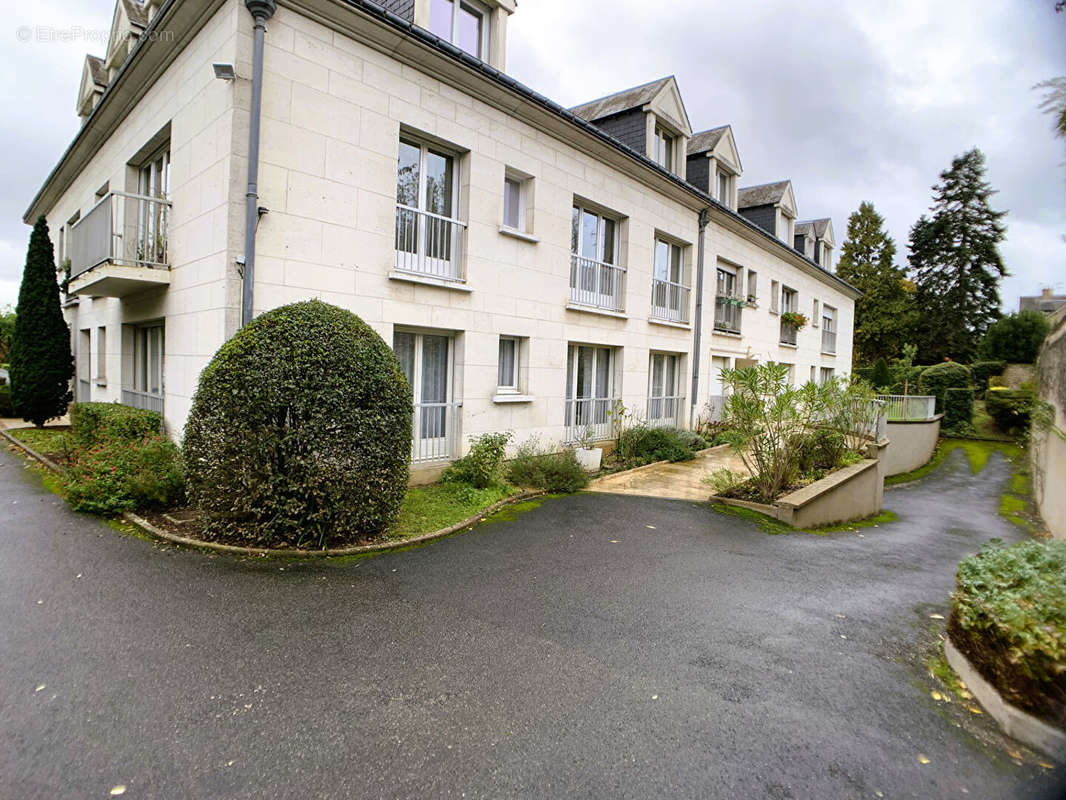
{"points": [[705, 217], [261, 11]]}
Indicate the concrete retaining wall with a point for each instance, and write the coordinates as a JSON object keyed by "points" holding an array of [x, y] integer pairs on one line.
{"points": [[911, 444]]}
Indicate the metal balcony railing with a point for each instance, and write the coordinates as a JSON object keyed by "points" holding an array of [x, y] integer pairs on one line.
{"points": [[666, 412], [597, 284], [429, 244], [435, 428], [669, 301], [829, 341], [592, 414], [123, 228], [907, 408], [145, 400], [726, 313], [788, 333]]}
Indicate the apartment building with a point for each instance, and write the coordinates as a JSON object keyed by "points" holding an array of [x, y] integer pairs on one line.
{"points": [[532, 265]]}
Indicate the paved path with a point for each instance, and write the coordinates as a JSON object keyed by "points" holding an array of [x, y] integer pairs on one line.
{"points": [[680, 481], [600, 646]]}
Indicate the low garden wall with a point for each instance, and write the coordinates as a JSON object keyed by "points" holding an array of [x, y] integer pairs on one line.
{"points": [[911, 444], [1048, 452]]}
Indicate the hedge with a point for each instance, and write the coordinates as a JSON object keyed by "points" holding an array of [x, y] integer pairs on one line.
{"points": [[95, 423], [300, 432], [958, 409], [126, 475], [982, 371], [1010, 408], [935, 380], [5, 401], [1008, 617]]}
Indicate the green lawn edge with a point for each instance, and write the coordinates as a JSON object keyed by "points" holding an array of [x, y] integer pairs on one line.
{"points": [[776, 527]]}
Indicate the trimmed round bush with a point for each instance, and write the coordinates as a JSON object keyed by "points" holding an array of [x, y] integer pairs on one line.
{"points": [[300, 432], [935, 380]]}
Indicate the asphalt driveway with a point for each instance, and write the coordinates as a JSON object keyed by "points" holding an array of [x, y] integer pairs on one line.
{"points": [[598, 646]]}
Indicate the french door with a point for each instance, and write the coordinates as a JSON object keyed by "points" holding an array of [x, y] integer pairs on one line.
{"points": [[663, 400], [596, 278], [426, 361], [427, 232], [151, 234], [590, 390]]}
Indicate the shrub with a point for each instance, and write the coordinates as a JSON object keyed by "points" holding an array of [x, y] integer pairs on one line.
{"points": [[640, 444], [300, 431], [1010, 408], [1008, 616], [938, 378], [693, 440], [480, 467], [95, 423], [958, 410], [906, 380], [983, 371], [553, 472], [1015, 338], [5, 402], [126, 475], [881, 375]]}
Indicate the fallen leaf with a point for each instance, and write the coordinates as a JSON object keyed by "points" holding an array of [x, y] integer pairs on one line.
{"points": [[842, 636], [614, 541], [965, 695], [1045, 765], [229, 763], [975, 710], [117, 790], [655, 697], [1015, 755], [936, 695], [840, 616], [39, 688], [78, 575], [936, 616], [650, 527], [922, 759]]}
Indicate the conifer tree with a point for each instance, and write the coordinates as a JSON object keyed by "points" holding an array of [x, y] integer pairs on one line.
{"points": [[955, 263], [41, 362], [884, 316]]}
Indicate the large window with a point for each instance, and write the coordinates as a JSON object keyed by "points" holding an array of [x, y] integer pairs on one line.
{"points": [[663, 148], [664, 395], [725, 188], [785, 228], [144, 387], [590, 391], [789, 303], [727, 302], [426, 361], [462, 22], [829, 329], [154, 187], [596, 279], [669, 294], [428, 235]]}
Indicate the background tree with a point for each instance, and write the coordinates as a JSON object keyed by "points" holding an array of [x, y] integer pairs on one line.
{"points": [[885, 314], [41, 362], [7, 331], [956, 264], [1015, 338]]}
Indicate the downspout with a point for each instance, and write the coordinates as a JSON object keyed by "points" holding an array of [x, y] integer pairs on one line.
{"points": [[261, 11], [704, 218]]}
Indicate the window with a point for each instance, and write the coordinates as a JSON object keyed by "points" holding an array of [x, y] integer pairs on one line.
{"points": [[428, 236], [663, 152], [753, 286], [775, 296], [725, 188], [426, 361], [814, 314], [727, 303], [101, 355], [786, 229], [154, 187], [789, 303], [590, 391], [145, 388], [669, 295], [463, 23], [829, 329], [509, 360], [83, 355], [664, 400], [517, 201], [825, 375], [596, 279]]}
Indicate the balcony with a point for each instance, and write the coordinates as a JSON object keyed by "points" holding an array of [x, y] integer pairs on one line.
{"points": [[666, 412], [669, 301], [788, 333], [435, 428], [727, 314], [150, 401], [829, 341], [593, 416], [596, 284], [120, 247], [429, 245]]}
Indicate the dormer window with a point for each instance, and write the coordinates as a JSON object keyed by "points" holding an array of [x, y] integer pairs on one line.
{"points": [[663, 148], [785, 228], [464, 23]]}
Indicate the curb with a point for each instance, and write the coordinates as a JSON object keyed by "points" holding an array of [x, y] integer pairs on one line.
{"points": [[232, 549], [1012, 720]]}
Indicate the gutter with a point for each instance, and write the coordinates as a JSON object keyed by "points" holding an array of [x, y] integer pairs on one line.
{"points": [[261, 11], [697, 322]]}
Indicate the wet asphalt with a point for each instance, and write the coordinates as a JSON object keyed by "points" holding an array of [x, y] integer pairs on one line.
{"points": [[597, 646]]}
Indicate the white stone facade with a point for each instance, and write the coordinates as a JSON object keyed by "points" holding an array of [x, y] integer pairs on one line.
{"points": [[334, 109]]}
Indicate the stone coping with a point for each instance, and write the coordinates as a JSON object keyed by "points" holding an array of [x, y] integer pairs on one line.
{"points": [[934, 418], [1022, 725], [378, 547], [811, 492]]}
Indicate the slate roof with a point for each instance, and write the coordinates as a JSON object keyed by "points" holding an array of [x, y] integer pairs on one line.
{"points": [[705, 141], [765, 195], [819, 226], [1047, 305], [804, 229], [620, 101], [97, 70], [137, 13]]}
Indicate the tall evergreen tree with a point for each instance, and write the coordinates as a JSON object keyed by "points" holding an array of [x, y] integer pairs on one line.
{"points": [[885, 315], [956, 263], [41, 362]]}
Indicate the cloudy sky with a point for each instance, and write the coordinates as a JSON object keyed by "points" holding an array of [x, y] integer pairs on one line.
{"points": [[852, 101]]}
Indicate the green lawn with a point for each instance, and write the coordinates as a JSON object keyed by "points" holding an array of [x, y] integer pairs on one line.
{"points": [[429, 508], [49, 442], [984, 425]]}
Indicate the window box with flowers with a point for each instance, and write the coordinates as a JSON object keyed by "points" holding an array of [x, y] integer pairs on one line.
{"points": [[794, 320]]}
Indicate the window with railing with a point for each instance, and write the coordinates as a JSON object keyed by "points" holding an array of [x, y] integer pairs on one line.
{"points": [[665, 402], [426, 361], [123, 228], [829, 330], [144, 389], [596, 278], [727, 301], [591, 394], [789, 303], [669, 292], [429, 236]]}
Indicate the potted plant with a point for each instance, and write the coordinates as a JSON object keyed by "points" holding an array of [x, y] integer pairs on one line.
{"points": [[588, 457], [753, 301], [794, 319]]}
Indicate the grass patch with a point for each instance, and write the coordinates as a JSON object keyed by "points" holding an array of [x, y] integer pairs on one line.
{"points": [[429, 508], [51, 443], [977, 454], [941, 670], [776, 527], [984, 425]]}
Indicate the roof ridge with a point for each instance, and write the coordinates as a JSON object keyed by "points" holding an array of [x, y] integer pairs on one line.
{"points": [[623, 91]]}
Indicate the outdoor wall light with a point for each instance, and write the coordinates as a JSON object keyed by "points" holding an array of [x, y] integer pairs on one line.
{"points": [[224, 72]]}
